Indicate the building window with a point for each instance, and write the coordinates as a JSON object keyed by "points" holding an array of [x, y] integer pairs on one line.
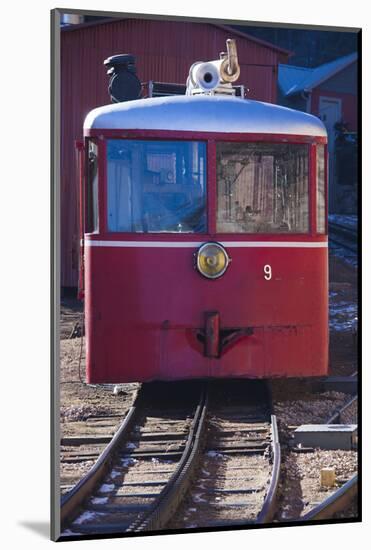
{"points": [[92, 188], [156, 186], [321, 201], [262, 188]]}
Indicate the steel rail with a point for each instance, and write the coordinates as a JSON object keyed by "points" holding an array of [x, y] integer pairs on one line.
{"points": [[342, 244], [336, 417], [335, 503], [348, 235], [344, 229], [73, 500], [268, 509], [172, 494]]}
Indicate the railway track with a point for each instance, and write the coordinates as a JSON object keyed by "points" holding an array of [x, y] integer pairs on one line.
{"points": [[237, 482], [342, 415], [79, 452], [344, 238], [336, 503], [132, 476], [147, 470]]}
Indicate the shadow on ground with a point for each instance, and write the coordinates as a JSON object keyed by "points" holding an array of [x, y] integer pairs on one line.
{"points": [[42, 528]]}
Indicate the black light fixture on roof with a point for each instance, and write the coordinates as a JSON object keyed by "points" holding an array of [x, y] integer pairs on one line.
{"points": [[124, 85]]}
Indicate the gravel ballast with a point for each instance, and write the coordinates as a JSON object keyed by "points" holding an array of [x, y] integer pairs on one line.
{"points": [[301, 474]]}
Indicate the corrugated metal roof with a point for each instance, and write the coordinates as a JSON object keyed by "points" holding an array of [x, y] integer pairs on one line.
{"points": [[204, 113], [293, 80], [290, 77]]}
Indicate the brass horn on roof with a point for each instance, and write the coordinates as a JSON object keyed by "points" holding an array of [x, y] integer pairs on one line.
{"points": [[229, 68]]}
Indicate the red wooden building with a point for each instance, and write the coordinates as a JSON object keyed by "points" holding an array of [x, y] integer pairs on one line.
{"points": [[329, 92], [164, 52]]}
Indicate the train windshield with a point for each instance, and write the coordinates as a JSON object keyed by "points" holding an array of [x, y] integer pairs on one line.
{"points": [[156, 186], [262, 188]]}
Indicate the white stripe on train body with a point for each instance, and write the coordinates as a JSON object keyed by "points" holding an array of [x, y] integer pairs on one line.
{"points": [[194, 244]]}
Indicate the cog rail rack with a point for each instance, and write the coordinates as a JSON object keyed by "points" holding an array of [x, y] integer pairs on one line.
{"points": [[152, 464]]}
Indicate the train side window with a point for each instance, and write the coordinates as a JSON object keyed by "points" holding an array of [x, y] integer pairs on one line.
{"points": [[92, 188], [156, 186], [321, 206], [262, 188]]}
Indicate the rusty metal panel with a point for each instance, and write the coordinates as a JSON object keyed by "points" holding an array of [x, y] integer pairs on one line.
{"points": [[165, 51]]}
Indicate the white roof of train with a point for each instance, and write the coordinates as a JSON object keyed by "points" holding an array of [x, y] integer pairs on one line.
{"points": [[203, 113]]}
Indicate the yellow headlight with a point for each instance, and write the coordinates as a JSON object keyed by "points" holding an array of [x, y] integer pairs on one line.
{"points": [[212, 260]]}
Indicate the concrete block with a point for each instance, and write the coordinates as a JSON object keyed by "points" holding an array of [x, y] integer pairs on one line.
{"points": [[326, 436]]}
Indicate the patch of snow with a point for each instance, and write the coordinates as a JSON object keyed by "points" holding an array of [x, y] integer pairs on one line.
{"points": [[99, 500], [119, 390], [115, 474], [198, 498], [131, 445], [86, 516], [80, 412], [128, 461], [343, 316], [161, 461], [214, 454], [106, 488]]}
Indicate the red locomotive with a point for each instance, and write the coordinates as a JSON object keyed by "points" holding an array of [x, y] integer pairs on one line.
{"points": [[205, 236]]}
